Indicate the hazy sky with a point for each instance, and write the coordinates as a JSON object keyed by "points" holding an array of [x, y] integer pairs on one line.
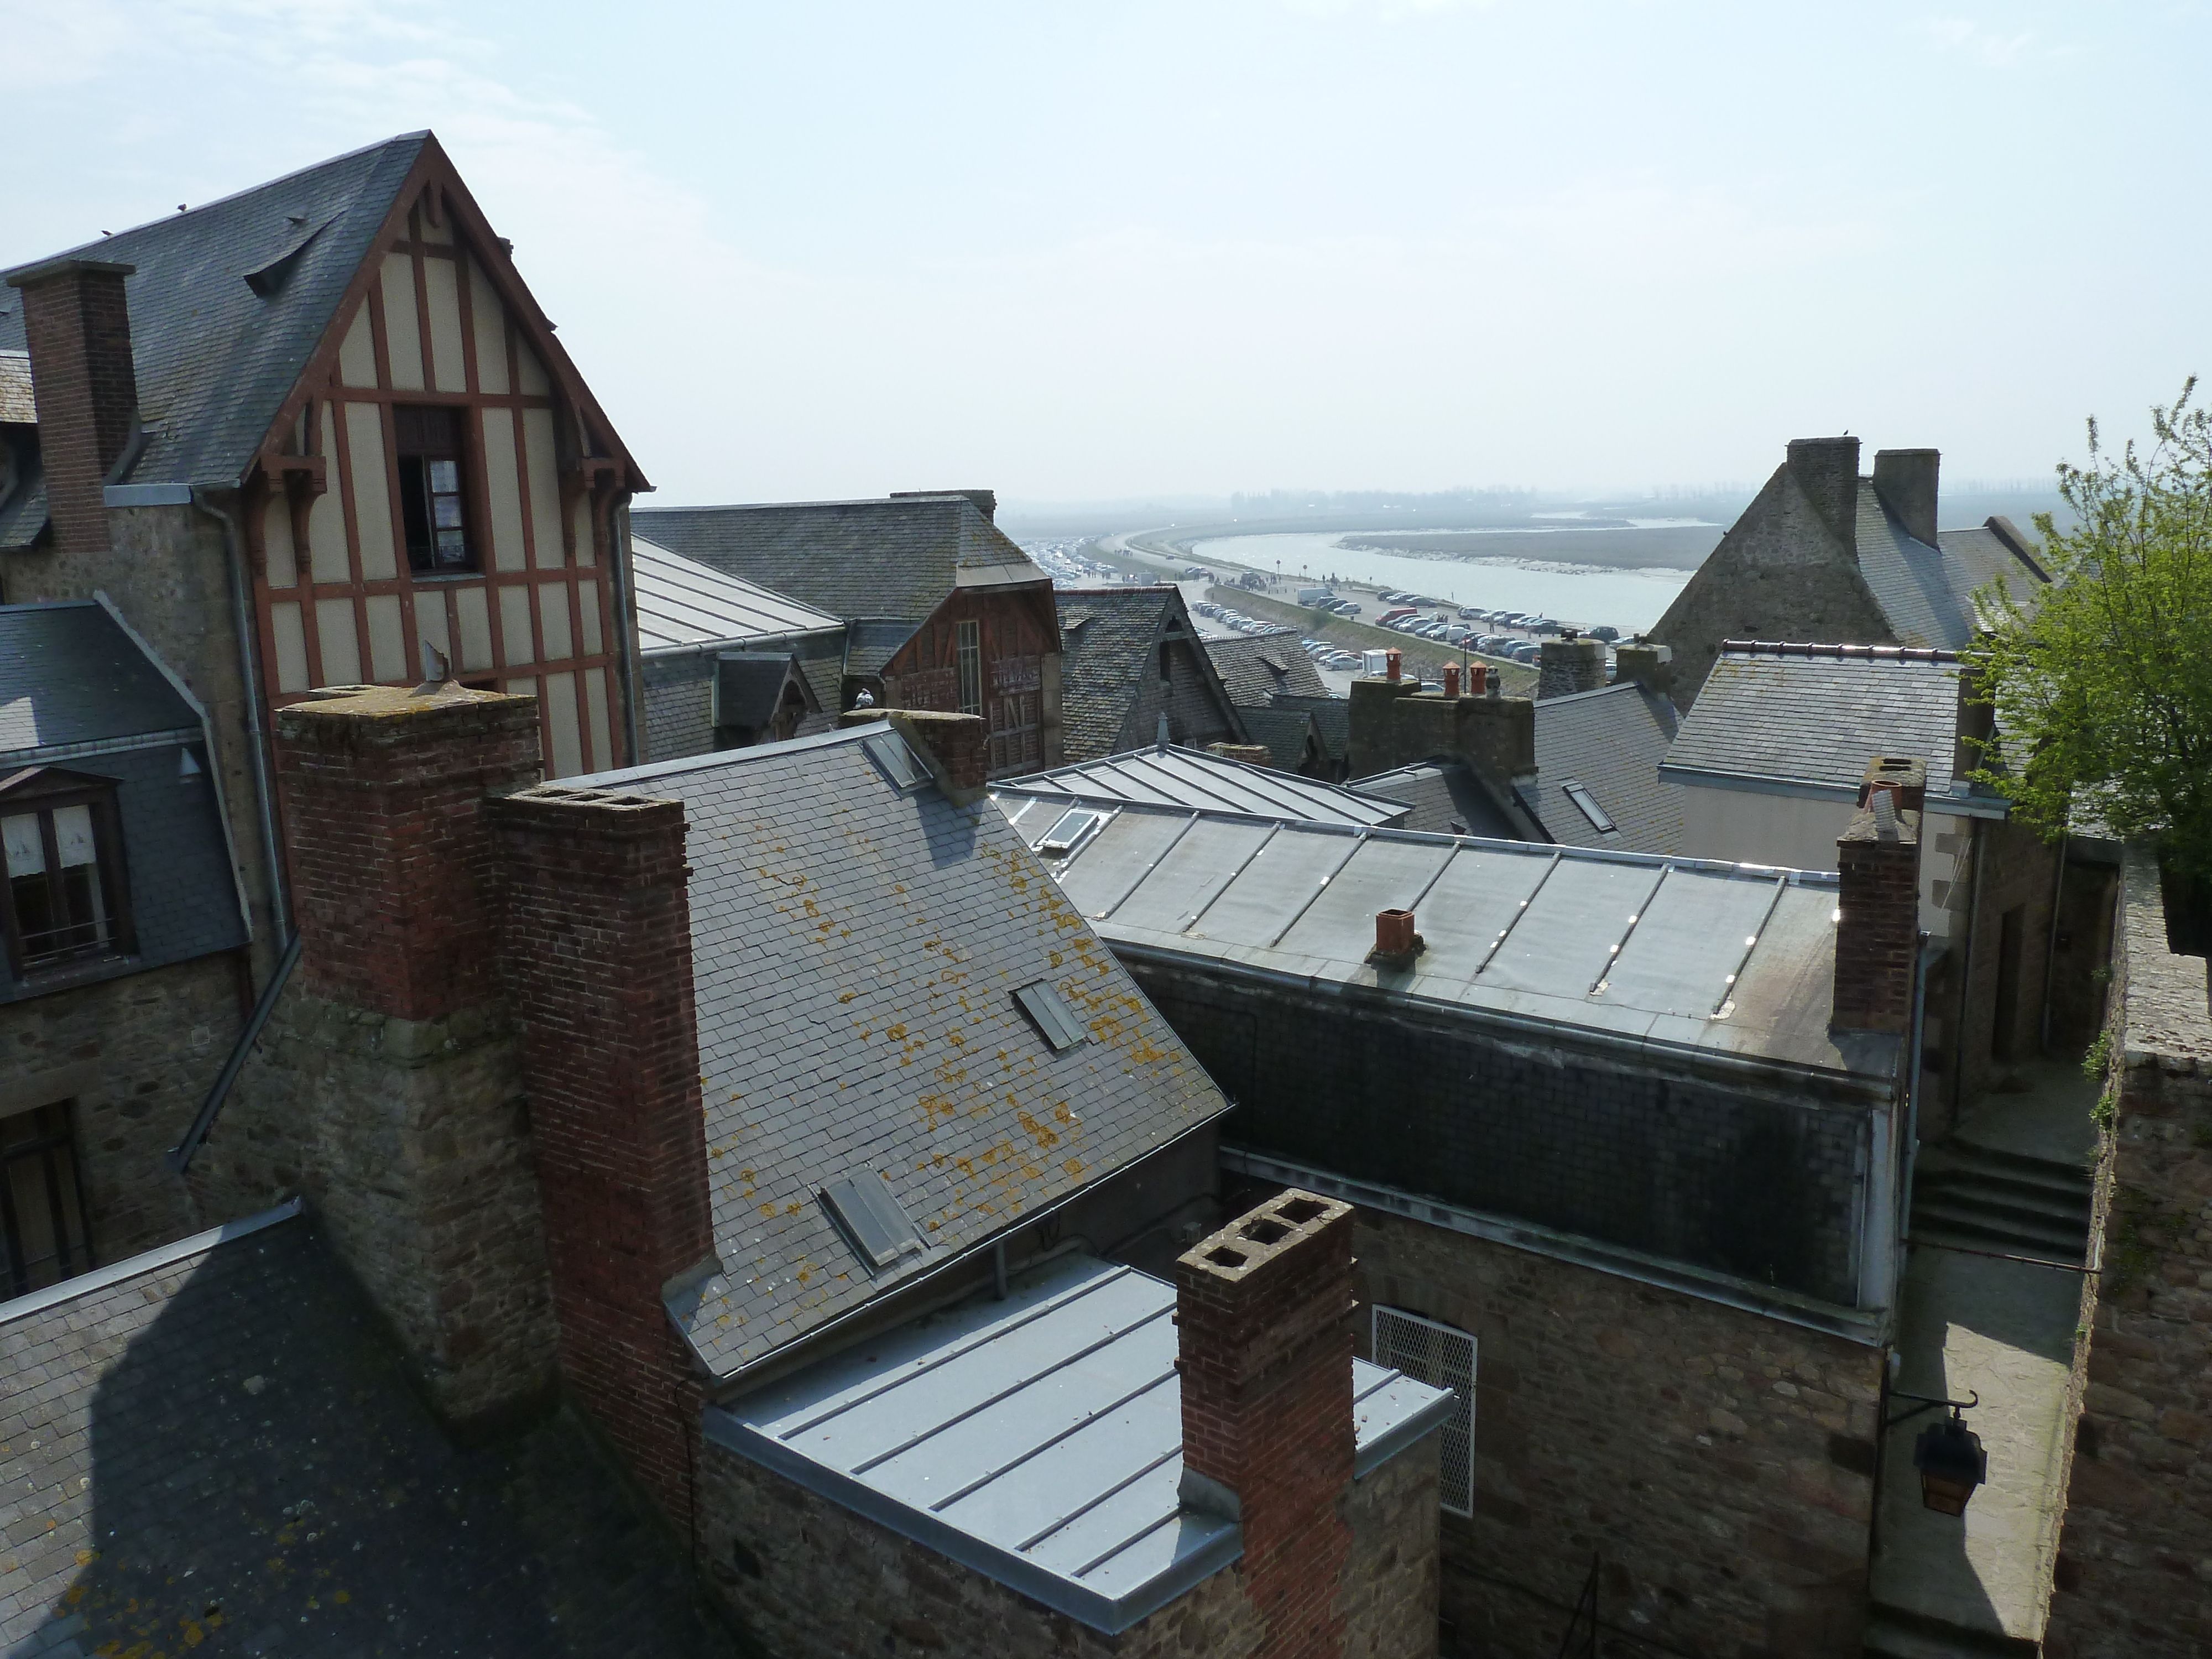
{"points": [[1075, 249]]}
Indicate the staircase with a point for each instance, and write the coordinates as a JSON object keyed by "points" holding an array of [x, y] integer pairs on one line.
{"points": [[1981, 1199]]}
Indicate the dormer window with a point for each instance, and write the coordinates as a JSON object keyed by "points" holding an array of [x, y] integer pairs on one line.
{"points": [[433, 490], [65, 888]]}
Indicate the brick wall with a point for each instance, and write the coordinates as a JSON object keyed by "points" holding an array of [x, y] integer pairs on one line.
{"points": [[76, 324], [597, 957], [2131, 1579], [1720, 1463], [1764, 1186]]}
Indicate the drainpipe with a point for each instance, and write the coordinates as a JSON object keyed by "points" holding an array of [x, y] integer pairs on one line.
{"points": [[257, 713], [633, 674]]}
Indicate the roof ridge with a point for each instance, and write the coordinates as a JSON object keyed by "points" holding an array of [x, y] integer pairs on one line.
{"points": [[1864, 652]]}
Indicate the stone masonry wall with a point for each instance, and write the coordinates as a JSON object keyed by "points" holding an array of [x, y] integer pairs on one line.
{"points": [[410, 1138], [1762, 1187], [2134, 1573], [1719, 1463], [136, 1055], [801, 1575]]}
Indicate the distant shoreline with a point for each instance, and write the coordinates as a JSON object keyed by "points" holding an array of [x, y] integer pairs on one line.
{"points": [[1669, 548]]}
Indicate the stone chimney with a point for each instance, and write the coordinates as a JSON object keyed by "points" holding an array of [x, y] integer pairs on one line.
{"points": [[597, 954], [1570, 663], [409, 1140], [1647, 664], [1263, 1310], [1878, 899], [986, 500], [77, 324], [1906, 480], [957, 749], [1827, 470]]}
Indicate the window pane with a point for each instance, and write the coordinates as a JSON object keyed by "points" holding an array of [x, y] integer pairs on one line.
{"points": [[449, 512], [34, 911], [452, 549], [26, 849], [73, 834], [445, 476]]}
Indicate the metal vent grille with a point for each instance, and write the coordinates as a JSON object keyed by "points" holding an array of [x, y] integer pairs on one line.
{"points": [[1443, 1358]]}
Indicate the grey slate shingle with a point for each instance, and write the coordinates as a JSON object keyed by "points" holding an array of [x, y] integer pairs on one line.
{"points": [[215, 360], [856, 951], [148, 1492], [1611, 741], [1256, 669], [1818, 720], [1928, 592]]}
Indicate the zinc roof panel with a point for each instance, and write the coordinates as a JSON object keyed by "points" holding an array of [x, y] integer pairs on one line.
{"points": [[1564, 940]]}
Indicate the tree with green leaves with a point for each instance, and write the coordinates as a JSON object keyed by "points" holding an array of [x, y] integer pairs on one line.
{"points": [[2102, 683]]}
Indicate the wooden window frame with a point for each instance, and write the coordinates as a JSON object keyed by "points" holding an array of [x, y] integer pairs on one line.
{"points": [[64, 1195], [45, 791], [968, 661], [460, 450]]}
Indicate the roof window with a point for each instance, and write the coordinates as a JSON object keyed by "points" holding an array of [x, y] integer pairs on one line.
{"points": [[871, 1219], [1599, 819], [897, 762], [1073, 825], [1043, 1003]]}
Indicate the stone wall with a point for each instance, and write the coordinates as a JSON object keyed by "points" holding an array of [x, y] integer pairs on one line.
{"points": [[410, 1140], [137, 1056], [1719, 1464], [801, 1575], [1781, 572], [1764, 1187], [2134, 1573]]}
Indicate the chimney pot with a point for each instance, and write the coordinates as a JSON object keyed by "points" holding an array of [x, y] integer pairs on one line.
{"points": [[1393, 663], [1451, 679], [1478, 676], [1393, 932]]}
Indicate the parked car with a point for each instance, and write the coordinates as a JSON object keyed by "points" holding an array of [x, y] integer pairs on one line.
{"points": [[1608, 633]]}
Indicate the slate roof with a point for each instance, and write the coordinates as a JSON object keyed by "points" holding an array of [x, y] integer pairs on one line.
{"points": [[858, 943], [215, 359], [1171, 776], [897, 557], [1332, 714], [1443, 797], [23, 509], [749, 684], [1038, 1440], [681, 602], [1814, 715], [76, 691], [1556, 938], [1286, 733], [214, 1443], [1255, 668], [1108, 636], [1927, 592], [1610, 742]]}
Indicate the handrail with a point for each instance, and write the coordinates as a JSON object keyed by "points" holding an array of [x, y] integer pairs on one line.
{"points": [[181, 1154]]}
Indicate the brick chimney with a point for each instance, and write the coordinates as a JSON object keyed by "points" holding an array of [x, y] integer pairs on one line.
{"points": [[1906, 480], [1263, 1309], [1827, 470], [596, 951], [1878, 899], [1570, 663], [409, 1144], [77, 324]]}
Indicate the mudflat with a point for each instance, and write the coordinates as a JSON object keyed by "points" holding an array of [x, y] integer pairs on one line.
{"points": [[1677, 547]]}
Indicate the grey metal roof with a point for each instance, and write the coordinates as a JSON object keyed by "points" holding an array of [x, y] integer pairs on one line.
{"points": [[858, 941], [78, 692], [1815, 714], [1255, 668], [1609, 742], [1443, 797], [681, 602], [225, 1422], [1679, 953], [897, 557], [215, 359], [1165, 775], [1037, 1440], [1928, 592]]}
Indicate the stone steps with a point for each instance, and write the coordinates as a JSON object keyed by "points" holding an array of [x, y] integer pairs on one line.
{"points": [[1898, 1633], [1987, 1199]]}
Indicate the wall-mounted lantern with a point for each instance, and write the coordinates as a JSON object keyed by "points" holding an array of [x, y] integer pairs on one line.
{"points": [[1947, 1454]]}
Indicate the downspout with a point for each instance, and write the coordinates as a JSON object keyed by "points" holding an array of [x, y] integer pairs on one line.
{"points": [[257, 716], [633, 674]]}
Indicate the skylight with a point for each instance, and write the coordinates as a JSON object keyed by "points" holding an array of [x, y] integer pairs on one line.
{"points": [[870, 1218], [1053, 1017], [1600, 820], [895, 760], [1071, 829]]}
